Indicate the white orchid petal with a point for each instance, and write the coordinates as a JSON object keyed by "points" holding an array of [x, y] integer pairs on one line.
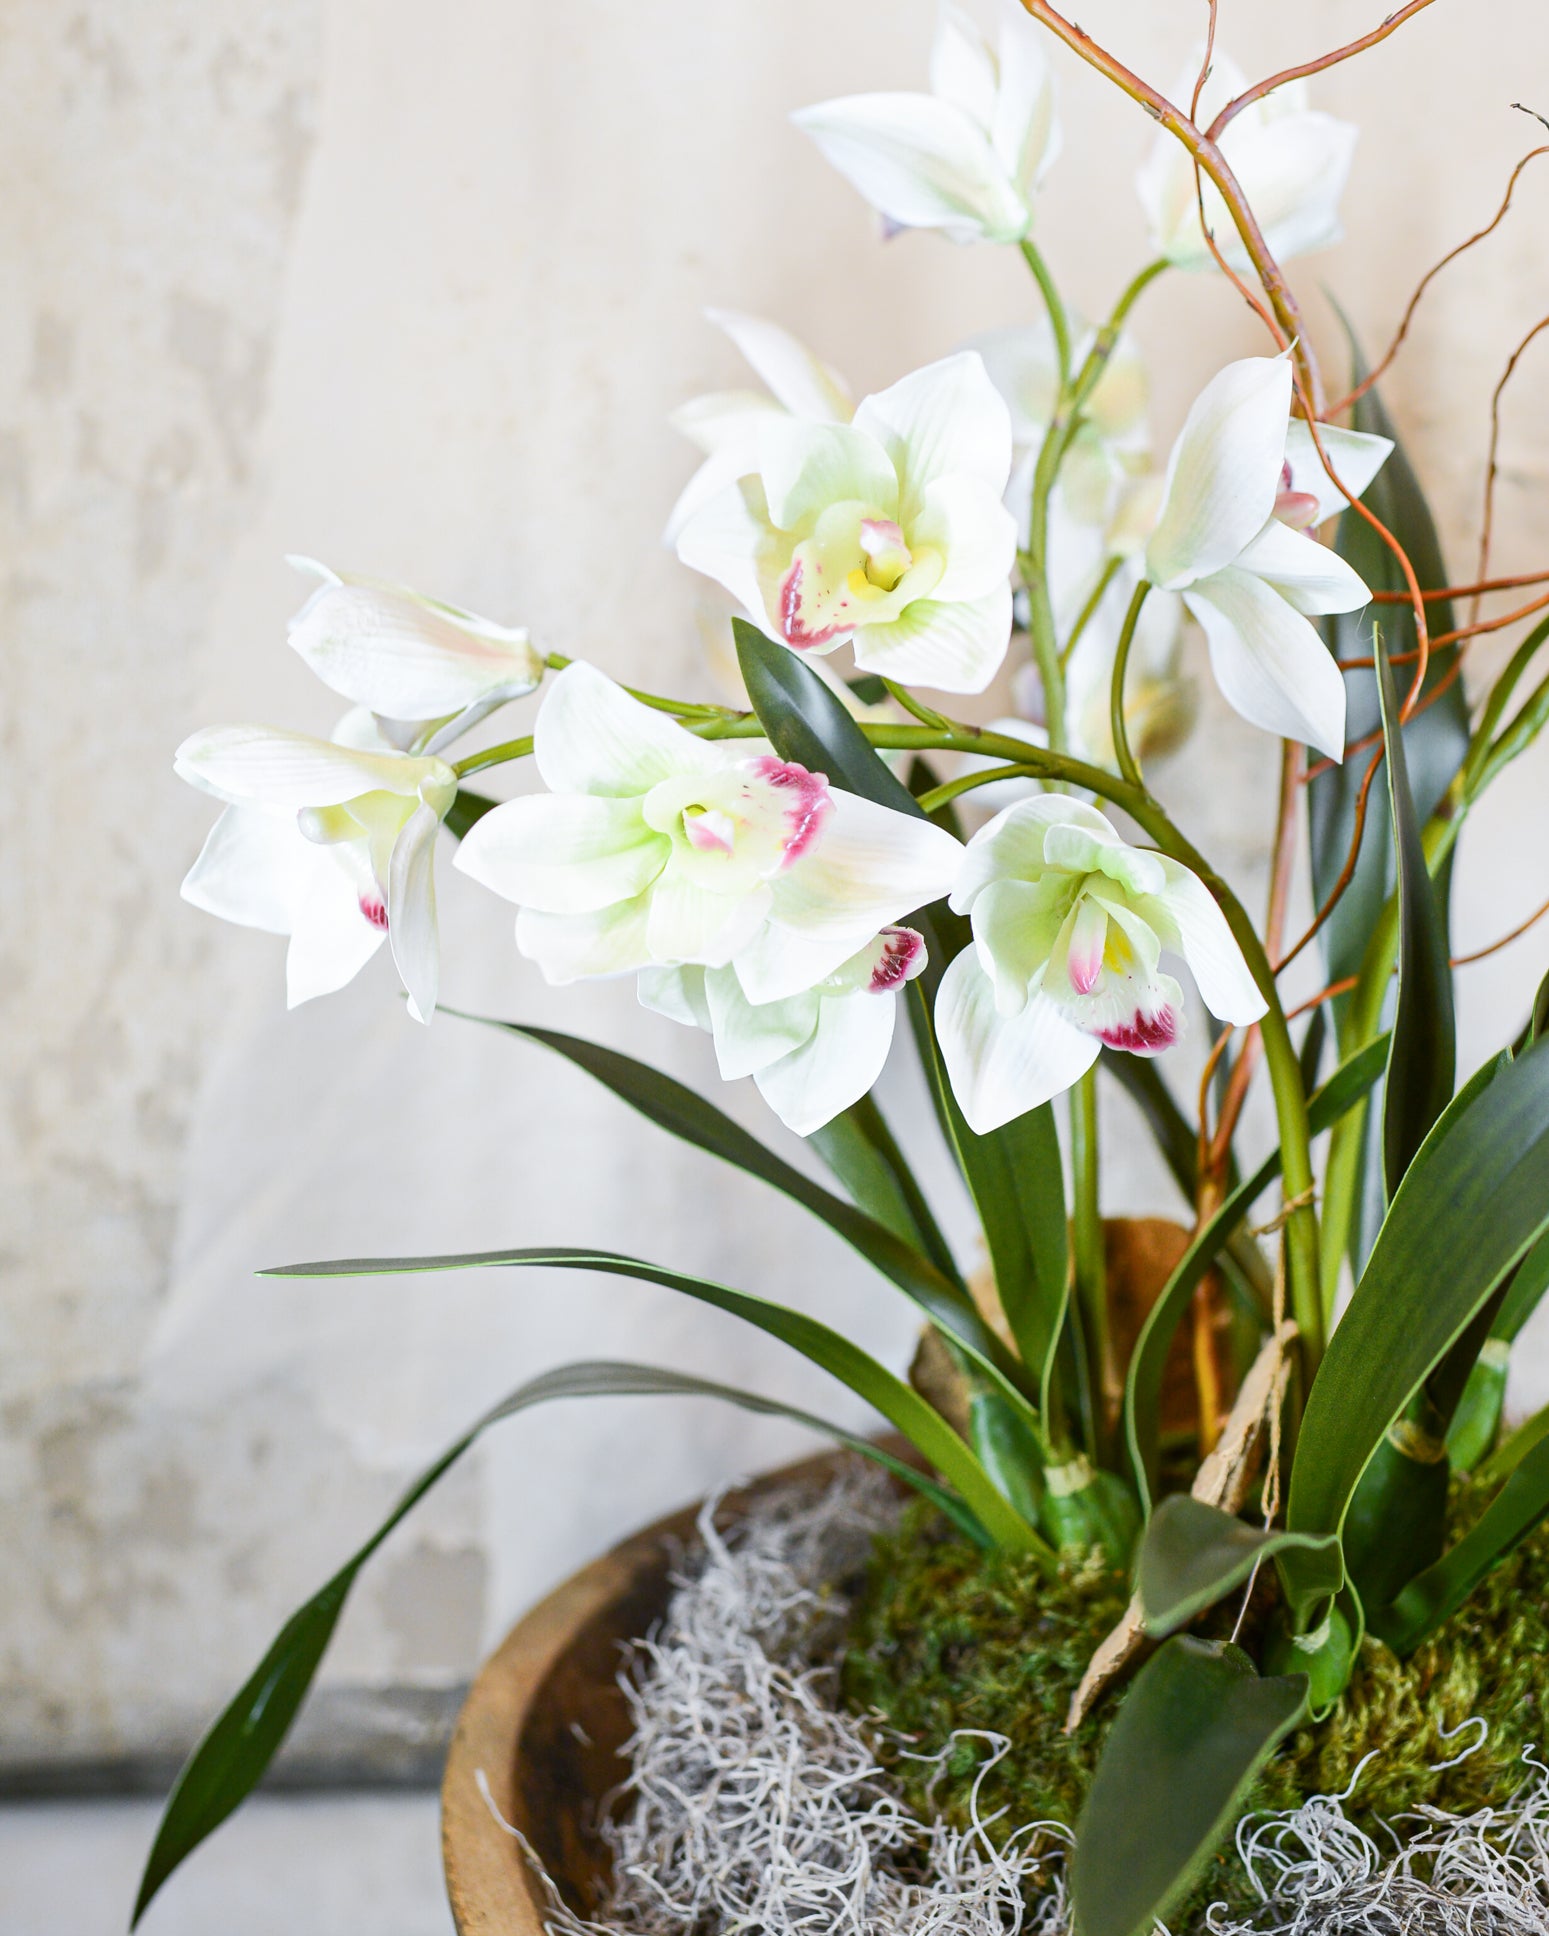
{"points": [[411, 911], [945, 418], [736, 459], [1269, 662], [332, 940], [253, 869], [921, 162], [870, 868], [407, 658], [796, 378], [1013, 842], [835, 1066], [1196, 927], [1294, 167], [1014, 931], [952, 648], [1224, 472], [677, 993], [966, 521], [1024, 128], [1356, 456], [264, 766], [586, 947], [1311, 576], [1002, 1066], [563, 853], [749, 1037], [688, 922], [806, 467], [725, 536], [722, 417], [780, 962], [591, 737], [962, 66], [1023, 364]]}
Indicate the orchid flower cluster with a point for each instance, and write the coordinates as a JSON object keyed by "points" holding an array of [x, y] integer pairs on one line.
{"points": [[784, 871]]}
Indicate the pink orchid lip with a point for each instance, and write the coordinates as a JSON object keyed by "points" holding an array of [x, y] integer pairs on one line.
{"points": [[903, 955], [1143, 1034], [810, 805], [1299, 509], [792, 628], [1084, 971], [375, 911]]}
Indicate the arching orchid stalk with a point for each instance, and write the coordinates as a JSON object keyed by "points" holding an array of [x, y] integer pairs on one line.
{"points": [[787, 870]]}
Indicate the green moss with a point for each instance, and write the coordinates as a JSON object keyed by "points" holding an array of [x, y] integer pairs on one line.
{"points": [[946, 1638]]}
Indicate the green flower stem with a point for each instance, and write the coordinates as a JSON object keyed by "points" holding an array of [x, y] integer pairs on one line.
{"points": [[1059, 322], [1090, 1261], [927, 715], [1088, 610], [1121, 747], [509, 749]]}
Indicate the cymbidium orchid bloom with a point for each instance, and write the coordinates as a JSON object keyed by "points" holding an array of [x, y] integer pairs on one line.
{"points": [[966, 158], [428, 671], [811, 1054], [889, 531], [654, 847], [1244, 491], [1069, 924], [331, 844], [726, 424], [1292, 163], [1112, 440]]}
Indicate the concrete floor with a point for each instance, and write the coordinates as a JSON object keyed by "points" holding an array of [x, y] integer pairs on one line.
{"points": [[308, 1865]]}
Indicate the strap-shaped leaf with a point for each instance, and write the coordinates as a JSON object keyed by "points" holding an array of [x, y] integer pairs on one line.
{"points": [[1472, 1202], [819, 1343], [1193, 1555], [1178, 1143], [466, 809], [1422, 1061], [1018, 1192], [1194, 1730], [861, 1150], [1437, 1593], [230, 1760], [1143, 1384], [673, 1106]]}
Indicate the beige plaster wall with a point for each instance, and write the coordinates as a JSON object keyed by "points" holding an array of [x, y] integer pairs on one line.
{"points": [[413, 287]]}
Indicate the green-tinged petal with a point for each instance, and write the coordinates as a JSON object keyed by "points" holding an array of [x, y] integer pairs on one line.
{"points": [[578, 947], [677, 993], [591, 737], [1224, 472], [953, 648], [835, 1066], [729, 538], [870, 867], [1012, 844], [564, 853], [1002, 1066], [964, 519], [945, 420], [1356, 456], [1189, 919], [264, 766], [805, 385], [1312, 578], [1015, 925], [688, 922], [1024, 129], [1268, 661], [411, 910], [807, 467], [920, 162], [749, 1037]]}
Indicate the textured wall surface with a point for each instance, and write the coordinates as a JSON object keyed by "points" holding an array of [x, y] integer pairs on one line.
{"points": [[413, 289]]}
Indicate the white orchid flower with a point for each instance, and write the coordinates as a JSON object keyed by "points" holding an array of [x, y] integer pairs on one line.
{"points": [[428, 671], [812, 1054], [888, 531], [1234, 538], [1112, 440], [331, 844], [1069, 924], [1159, 700], [654, 847], [1291, 161], [725, 426], [968, 157]]}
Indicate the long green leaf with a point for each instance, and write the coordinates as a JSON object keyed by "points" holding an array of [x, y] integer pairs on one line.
{"points": [[673, 1106], [898, 1403], [231, 1758], [1193, 1554], [1472, 1202], [1422, 1061], [1194, 1730], [1436, 1594], [1018, 1192], [1435, 742], [1143, 1384], [861, 1150]]}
